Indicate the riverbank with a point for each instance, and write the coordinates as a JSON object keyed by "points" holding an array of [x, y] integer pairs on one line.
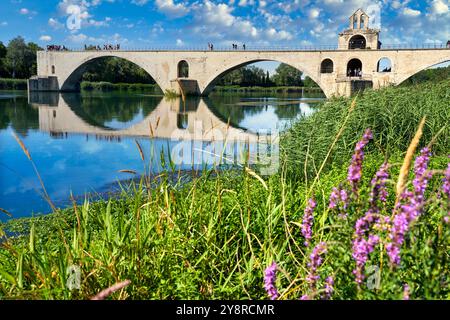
{"points": [[275, 90], [213, 238], [108, 86], [13, 84]]}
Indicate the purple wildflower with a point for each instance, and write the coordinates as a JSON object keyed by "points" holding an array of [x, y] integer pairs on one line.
{"points": [[406, 292], [379, 191], [409, 208], [446, 180], [270, 276], [329, 283], [355, 169], [363, 247], [305, 297], [361, 250], [421, 178], [315, 261], [308, 221], [334, 198], [338, 200]]}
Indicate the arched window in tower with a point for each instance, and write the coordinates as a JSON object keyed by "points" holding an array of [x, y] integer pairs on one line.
{"points": [[384, 65], [357, 42], [354, 68], [183, 69], [326, 66], [363, 22], [355, 22]]}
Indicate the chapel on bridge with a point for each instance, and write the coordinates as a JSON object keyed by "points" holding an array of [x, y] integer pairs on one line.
{"points": [[359, 35]]}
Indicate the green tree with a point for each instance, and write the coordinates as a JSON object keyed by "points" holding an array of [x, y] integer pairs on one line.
{"points": [[3, 52], [286, 75], [309, 83], [116, 70], [21, 58]]}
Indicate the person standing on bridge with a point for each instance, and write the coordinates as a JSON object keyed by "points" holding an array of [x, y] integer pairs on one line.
{"points": [[243, 46]]}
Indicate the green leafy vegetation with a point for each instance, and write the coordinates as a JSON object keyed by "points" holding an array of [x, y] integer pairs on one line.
{"points": [[432, 75], [108, 86], [18, 59], [252, 76], [277, 90], [13, 84], [392, 113], [117, 71]]}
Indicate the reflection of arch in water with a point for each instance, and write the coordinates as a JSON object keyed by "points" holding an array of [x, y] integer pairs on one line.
{"points": [[200, 123], [146, 104]]}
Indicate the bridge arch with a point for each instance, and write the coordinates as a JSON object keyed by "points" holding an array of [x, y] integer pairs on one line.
{"points": [[354, 67], [226, 68], [422, 67], [358, 41], [74, 74]]}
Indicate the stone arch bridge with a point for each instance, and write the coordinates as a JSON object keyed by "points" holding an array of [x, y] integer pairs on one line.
{"points": [[62, 70]]}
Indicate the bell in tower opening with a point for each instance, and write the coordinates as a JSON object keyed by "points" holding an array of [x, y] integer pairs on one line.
{"points": [[359, 35]]}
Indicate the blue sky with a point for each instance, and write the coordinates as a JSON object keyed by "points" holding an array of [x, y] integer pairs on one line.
{"points": [[141, 23], [194, 23]]}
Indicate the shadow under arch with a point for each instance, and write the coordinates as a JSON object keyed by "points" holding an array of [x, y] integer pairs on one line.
{"points": [[212, 82], [411, 76], [72, 82]]}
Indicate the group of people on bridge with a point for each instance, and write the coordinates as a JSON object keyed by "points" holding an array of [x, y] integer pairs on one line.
{"points": [[235, 46], [106, 47], [354, 72], [54, 47]]}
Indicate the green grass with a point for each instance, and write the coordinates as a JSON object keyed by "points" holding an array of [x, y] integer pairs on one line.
{"points": [[213, 237], [108, 86], [392, 113], [256, 89], [13, 84]]}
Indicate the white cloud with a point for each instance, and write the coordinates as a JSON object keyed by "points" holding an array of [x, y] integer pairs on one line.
{"points": [[55, 24], [180, 43], [244, 3], [45, 38], [431, 41], [439, 7], [3, 24], [139, 2], [411, 12], [278, 35], [313, 13], [170, 9], [24, 11], [78, 38]]}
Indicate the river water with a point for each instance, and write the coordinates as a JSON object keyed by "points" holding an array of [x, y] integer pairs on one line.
{"points": [[79, 143]]}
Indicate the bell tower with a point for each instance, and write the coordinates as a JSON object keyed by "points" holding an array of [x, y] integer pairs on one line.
{"points": [[359, 35]]}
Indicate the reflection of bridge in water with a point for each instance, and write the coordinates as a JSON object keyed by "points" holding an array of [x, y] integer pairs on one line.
{"points": [[202, 134], [171, 119]]}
